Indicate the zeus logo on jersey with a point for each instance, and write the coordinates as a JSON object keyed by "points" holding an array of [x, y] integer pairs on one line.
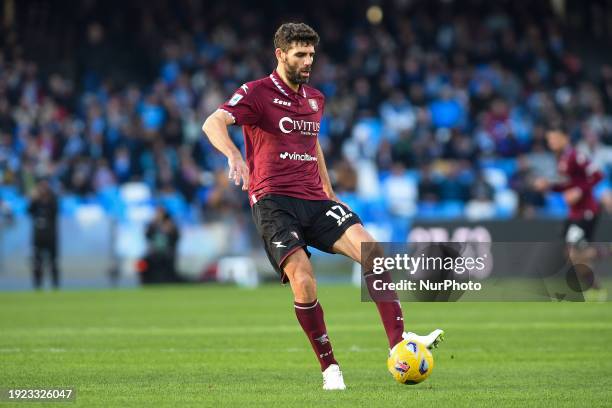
{"points": [[288, 125], [280, 102], [297, 156]]}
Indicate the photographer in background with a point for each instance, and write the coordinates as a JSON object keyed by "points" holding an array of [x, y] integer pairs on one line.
{"points": [[43, 210], [162, 238]]}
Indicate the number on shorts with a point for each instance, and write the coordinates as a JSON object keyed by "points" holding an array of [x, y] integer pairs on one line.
{"points": [[339, 218]]}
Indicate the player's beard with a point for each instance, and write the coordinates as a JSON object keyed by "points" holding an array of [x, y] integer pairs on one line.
{"points": [[294, 74]]}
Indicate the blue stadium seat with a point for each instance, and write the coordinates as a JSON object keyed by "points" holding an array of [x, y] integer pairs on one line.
{"points": [[383, 175], [18, 205], [413, 175], [601, 188], [374, 211], [508, 166], [445, 210], [452, 209], [8, 191], [555, 205], [503, 212], [202, 194], [353, 201], [506, 203], [374, 129], [175, 204], [496, 177], [110, 199], [69, 204]]}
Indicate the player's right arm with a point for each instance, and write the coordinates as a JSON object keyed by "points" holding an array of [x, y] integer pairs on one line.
{"points": [[215, 127], [241, 109]]}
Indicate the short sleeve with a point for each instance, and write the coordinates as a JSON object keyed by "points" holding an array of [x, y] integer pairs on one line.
{"points": [[242, 106]]}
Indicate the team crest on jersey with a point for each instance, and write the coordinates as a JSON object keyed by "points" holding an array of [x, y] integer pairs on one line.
{"points": [[313, 104], [235, 99]]}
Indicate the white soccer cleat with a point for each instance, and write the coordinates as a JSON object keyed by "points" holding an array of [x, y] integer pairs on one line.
{"points": [[332, 378], [430, 341]]}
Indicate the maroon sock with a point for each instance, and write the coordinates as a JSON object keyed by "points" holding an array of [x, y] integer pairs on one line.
{"points": [[310, 316], [388, 307]]}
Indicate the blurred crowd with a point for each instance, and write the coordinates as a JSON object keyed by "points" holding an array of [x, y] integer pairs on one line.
{"points": [[432, 91]]}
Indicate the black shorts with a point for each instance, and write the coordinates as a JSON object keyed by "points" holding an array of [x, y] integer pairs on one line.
{"points": [[287, 224], [580, 232]]}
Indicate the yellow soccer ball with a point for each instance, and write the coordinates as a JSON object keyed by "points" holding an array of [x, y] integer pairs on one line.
{"points": [[410, 362]]}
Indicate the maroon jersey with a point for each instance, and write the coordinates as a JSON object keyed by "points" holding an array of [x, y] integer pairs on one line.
{"points": [[280, 129], [577, 171]]}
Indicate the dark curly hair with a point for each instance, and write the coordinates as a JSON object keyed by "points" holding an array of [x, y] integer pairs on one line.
{"points": [[300, 33], [558, 125]]}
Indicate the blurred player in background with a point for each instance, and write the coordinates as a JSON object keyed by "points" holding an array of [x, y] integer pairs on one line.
{"points": [[162, 236], [578, 177], [43, 210], [291, 196]]}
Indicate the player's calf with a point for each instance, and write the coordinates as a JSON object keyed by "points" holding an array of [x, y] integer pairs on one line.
{"points": [[308, 310], [310, 316]]}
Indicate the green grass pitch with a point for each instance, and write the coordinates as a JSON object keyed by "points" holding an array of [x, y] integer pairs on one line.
{"points": [[223, 346]]}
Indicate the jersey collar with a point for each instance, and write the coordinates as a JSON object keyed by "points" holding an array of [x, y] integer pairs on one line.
{"points": [[282, 86]]}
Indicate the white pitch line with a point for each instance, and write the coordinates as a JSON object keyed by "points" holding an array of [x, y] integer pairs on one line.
{"points": [[351, 349], [154, 330], [238, 329]]}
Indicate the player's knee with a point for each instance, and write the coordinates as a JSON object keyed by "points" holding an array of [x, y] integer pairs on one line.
{"points": [[304, 289], [299, 271], [358, 236], [304, 284]]}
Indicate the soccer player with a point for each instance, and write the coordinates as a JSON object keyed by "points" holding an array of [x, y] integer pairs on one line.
{"points": [[578, 177], [291, 196], [43, 209]]}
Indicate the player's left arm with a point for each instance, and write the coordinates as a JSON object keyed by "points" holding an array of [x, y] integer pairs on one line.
{"points": [[327, 185], [581, 164], [592, 174]]}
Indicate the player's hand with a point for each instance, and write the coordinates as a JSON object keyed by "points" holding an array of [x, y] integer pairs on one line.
{"points": [[541, 184], [238, 170], [573, 195]]}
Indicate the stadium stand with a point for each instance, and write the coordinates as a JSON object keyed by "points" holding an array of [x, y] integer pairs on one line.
{"points": [[436, 112]]}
